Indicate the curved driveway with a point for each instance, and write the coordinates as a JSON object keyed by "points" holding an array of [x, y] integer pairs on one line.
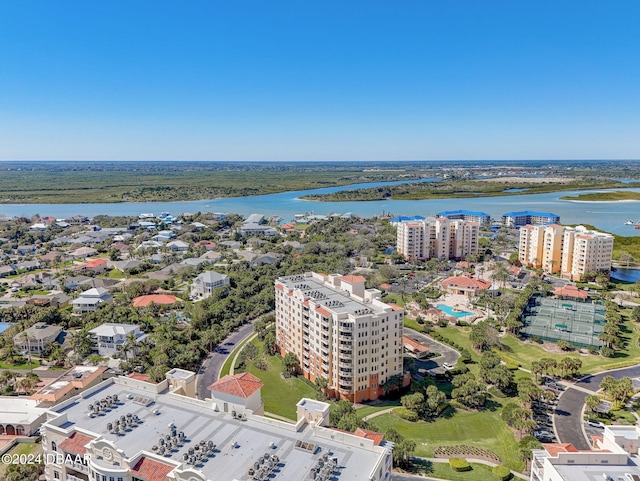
{"points": [[568, 416], [433, 364], [208, 372]]}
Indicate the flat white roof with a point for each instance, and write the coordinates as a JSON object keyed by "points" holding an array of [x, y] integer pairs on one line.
{"points": [[19, 410], [239, 443]]}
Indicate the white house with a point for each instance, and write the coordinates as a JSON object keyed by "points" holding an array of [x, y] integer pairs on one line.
{"points": [[90, 300], [205, 283], [237, 393], [107, 337]]}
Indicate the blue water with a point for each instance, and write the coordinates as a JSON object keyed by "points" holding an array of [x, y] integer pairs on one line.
{"points": [[627, 275], [607, 216], [449, 311], [4, 326]]}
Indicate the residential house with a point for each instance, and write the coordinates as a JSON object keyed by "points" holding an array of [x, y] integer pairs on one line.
{"points": [[36, 338], [7, 271], [27, 249], [89, 301], [204, 284], [125, 265], [83, 252], [96, 266], [28, 265], [178, 246], [109, 337]]}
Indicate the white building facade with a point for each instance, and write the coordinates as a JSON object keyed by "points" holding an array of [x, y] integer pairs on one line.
{"points": [[439, 238]]}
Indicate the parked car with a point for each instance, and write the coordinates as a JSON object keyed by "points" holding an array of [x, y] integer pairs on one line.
{"points": [[543, 433], [448, 366], [595, 424]]}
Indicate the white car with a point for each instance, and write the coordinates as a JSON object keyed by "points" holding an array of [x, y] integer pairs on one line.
{"points": [[595, 424], [448, 366]]}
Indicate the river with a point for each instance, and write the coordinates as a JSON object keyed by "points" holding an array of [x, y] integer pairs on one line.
{"points": [[607, 216]]}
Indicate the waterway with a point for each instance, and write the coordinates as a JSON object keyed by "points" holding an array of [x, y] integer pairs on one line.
{"points": [[626, 275], [607, 216]]}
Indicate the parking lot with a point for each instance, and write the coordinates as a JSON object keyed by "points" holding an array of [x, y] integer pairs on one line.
{"points": [[433, 365]]}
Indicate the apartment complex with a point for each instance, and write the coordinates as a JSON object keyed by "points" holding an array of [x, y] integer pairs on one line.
{"points": [[475, 216], [439, 238], [129, 429], [525, 217], [570, 251], [340, 332], [614, 457]]}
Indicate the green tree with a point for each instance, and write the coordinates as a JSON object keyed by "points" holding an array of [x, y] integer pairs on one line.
{"points": [[592, 402], [291, 363]]}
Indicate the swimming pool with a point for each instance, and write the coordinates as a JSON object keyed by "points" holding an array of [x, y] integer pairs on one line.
{"points": [[450, 312], [4, 326]]}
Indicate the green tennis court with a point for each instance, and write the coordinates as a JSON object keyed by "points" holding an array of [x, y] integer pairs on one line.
{"points": [[553, 319]]}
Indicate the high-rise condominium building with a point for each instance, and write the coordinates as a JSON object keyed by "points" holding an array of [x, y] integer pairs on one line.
{"points": [[339, 331], [439, 238], [572, 252]]}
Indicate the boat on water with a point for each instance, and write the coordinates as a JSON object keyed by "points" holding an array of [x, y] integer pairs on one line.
{"points": [[629, 222]]}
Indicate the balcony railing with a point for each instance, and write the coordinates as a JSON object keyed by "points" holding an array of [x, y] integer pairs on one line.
{"points": [[77, 466], [71, 477]]}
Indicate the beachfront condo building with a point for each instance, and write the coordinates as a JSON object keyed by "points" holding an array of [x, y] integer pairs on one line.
{"points": [[339, 331], [439, 238], [526, 217], [570, 251]]}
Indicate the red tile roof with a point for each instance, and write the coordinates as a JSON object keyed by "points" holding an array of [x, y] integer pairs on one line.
{"points": [[138, 376], [555, 448], [75, 443], [385, 286], [571, 291], [469, 282], [323, 312], [374, 436], [144, 301], [240, 385], [152, 470], [415, 345], [353, 279], [396, 307], [95, 262]]}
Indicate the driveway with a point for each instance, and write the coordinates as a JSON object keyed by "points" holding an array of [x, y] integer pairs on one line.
{"points": [[567, 419], [208, 372], [433, 364]]}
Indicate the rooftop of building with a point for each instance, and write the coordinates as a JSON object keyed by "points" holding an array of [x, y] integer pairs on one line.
{"points": [[144, 301], [240, 385], [581, 472], [39, 330], [239, 443], [109, 329], [329, 298], [447, 213], [77, 374], [530, 213], [19, 410]]}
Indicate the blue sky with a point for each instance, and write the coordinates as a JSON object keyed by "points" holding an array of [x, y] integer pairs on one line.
{"points": [[304, 80]]}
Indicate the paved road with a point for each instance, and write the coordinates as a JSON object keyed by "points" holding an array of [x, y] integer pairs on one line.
{"points": [[567, 420], [208, 372], [447, 354], [42, 374], [593, 382]]}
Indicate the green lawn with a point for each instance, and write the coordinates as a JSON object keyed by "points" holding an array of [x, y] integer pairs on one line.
{"points": [[26, 365], [21, 448], [366, 410], [279, 395], [481, 429], [523, 353], [479, 472]]}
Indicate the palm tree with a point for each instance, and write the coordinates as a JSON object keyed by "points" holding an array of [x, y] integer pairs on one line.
{"points": [[592, 402]]}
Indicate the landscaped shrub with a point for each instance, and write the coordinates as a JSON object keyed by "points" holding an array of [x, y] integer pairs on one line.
{"points": [[406, 414], [501, 472], [607, 351], [459, 464]]}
